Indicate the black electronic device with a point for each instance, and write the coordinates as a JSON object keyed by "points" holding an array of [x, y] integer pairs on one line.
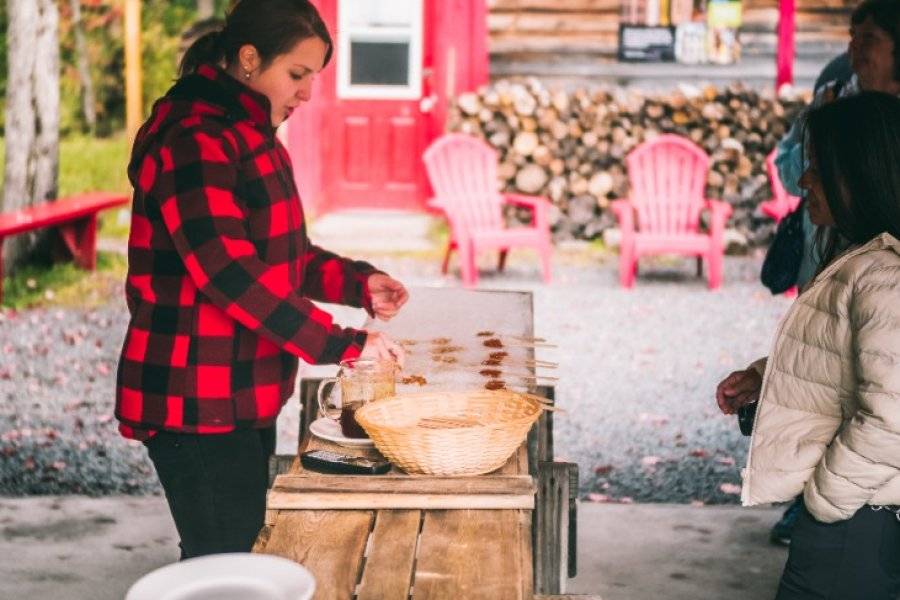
{"points": [[746, 416], [326, 461]]}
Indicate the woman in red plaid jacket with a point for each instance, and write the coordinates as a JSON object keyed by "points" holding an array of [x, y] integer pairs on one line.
{"points": [[221, 274]]}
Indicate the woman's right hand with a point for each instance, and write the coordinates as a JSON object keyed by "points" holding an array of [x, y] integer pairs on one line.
{"points": [[738, 389], [380, 346]]}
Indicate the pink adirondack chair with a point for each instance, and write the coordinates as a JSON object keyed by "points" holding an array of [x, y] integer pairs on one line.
{"points": [[782, 203], [662, 214], [463, 174]]}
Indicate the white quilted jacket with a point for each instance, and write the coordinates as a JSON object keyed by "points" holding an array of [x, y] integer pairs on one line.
{"points": [[828, 420]]}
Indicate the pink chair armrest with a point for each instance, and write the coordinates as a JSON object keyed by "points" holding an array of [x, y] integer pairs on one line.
{"points": [[538, 204], [771, 209], [719, 213], [437, 204], [624, 212]]}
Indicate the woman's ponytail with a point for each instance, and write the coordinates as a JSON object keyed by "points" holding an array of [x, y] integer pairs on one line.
{"points": [[205, 49], [273, 27]]}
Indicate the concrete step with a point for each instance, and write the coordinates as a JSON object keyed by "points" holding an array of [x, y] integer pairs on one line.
{"points": [[676, 552], [374, 231]]}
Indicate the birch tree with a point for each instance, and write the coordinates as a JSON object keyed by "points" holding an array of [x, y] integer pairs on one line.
{"points": [[32, 112]]}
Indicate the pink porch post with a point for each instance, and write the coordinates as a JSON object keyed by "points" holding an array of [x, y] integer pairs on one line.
{"points": [[785, 58]]}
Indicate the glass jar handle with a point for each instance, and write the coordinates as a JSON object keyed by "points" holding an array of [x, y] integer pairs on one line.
{"points": [[320, 396]]}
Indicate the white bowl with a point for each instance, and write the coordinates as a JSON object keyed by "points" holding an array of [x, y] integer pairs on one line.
{"points": [[238, 576]]}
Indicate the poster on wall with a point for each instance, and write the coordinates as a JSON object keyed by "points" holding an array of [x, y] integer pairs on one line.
{"points": [[646, 43], [723, 19]]}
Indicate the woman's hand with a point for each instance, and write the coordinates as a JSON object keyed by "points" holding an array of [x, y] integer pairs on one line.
{"points": [[738, 389], [388, 295], [381, 347]]}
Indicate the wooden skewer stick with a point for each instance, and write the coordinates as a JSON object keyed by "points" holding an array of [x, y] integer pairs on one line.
{"points": [[499, 366], [523, 338], [544, 377], [542, 363], [519, 345], [546, 403], [529, 362], [505, 374], [518, 341], [537, 398]]}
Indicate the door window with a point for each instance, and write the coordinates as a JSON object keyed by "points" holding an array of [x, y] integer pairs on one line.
{"points": [[379, 53]]}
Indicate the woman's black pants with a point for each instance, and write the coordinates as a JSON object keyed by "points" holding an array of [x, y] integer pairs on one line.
{"points": [[215, 485], [857, 559]]}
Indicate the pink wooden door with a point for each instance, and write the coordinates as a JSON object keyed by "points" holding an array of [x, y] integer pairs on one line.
{"points": [[376, 130], [384, 97]]}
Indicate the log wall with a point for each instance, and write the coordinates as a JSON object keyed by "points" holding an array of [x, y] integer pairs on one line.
{"points": [[527, 32]]}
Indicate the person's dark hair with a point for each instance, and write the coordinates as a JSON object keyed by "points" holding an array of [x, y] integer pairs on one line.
{"points": [[886, 15], [273, 27], [855, 143], [197, 31]]}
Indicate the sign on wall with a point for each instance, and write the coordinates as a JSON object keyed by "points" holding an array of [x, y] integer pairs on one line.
{"points": [[639, 43]]}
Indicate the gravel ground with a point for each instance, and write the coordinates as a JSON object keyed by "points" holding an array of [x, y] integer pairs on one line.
{"points": [[637, 373]]}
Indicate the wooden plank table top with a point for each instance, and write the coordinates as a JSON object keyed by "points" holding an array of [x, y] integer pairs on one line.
{"points": [[389, 553], [338, 527]]}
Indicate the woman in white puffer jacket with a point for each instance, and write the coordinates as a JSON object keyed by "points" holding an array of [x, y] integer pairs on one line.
{"points": [[828, 418]]}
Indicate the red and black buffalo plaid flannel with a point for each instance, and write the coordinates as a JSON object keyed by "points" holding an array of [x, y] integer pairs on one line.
{"points": [[220, 271]]}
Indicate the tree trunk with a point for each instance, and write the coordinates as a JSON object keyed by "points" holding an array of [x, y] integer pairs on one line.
{"points": [[32, 113], [88, 104], [205, 9]]}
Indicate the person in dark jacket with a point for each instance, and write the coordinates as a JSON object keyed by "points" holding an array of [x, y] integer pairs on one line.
{"points": [[837, 70], [221, 274]]}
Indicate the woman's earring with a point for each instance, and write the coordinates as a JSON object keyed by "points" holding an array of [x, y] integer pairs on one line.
{"points": [[246, 74]]}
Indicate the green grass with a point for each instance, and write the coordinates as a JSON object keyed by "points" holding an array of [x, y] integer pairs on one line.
{"points": [[89, 164], [115, 223], [64, 284]]}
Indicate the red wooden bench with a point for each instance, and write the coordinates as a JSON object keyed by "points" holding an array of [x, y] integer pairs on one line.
{"points": [[75, 218]]}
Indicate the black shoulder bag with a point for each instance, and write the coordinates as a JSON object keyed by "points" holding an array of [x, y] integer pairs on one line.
{"points": [[782, 263]]}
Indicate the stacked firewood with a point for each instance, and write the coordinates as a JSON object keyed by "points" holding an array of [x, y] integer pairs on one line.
{"points": [[570, 145]]}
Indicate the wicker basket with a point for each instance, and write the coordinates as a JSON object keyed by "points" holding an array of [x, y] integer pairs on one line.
{"points": [[450, 433]]}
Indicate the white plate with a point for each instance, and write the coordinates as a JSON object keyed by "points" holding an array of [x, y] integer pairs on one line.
{"points": [[329, 429], [227, 577]]}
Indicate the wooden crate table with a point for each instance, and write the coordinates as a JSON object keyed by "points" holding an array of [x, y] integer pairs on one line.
{"points": [[387, 536], [398, 535]]}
